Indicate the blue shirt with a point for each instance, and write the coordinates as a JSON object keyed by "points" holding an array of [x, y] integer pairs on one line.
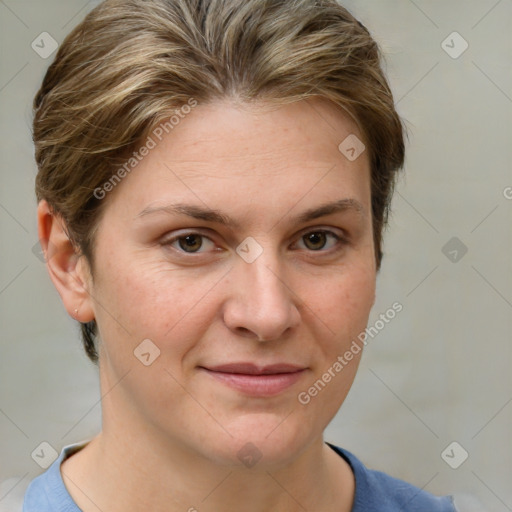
{"points": [[374, 491]]}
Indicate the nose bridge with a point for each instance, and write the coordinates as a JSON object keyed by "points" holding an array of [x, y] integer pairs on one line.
{"points": [[264, 279], [264, 302]]}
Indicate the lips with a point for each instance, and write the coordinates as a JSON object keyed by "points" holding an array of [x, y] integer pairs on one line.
{"points": [[252, 369], [256, 381]]}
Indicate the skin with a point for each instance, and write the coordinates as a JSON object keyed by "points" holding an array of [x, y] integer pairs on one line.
{"points": [[171, 432]]}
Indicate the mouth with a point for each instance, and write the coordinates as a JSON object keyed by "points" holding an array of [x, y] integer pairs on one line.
{"points": [[253, 380]]}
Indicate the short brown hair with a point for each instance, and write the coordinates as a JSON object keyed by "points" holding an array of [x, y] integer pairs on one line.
{"points": [[131, 63]]}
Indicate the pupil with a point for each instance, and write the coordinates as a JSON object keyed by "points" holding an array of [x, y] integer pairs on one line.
{"points": [[191, 242], [316, 237]]}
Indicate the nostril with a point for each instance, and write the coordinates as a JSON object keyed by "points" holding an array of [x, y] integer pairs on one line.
{"points": [[244, 331]]}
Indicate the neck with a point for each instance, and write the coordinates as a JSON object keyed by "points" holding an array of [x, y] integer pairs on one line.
{"points": [[123, 473]]}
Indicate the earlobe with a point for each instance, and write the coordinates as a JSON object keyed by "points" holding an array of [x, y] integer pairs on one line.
{"points": [[68, 271]]}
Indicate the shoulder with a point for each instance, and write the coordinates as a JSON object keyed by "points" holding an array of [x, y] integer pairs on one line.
{"points": [[379, 492], [36, 496], [45, 493]]}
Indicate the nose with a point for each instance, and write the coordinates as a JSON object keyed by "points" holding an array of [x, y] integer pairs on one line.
{"points": [[261, 303]]}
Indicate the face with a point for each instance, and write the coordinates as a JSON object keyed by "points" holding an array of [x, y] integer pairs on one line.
{"points": [[249, 292]]}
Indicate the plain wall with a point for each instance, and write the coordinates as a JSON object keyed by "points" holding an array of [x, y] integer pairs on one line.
{"points": [[438, 372]]}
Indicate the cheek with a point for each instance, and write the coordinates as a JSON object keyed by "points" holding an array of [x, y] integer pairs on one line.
{"points": [[342, 306], [152, 300], [357, 301]]}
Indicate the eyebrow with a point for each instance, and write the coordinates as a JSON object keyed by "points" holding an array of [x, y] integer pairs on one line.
{"points": [[212, 215]]}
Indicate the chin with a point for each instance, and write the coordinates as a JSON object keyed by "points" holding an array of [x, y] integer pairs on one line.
{"points": [[261, 440]]}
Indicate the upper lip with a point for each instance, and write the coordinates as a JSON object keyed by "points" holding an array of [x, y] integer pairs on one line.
{"points": [[252, 369]]}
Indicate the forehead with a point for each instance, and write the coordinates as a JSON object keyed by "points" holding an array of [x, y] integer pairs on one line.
{"points": [[227, 153], [312, 128]]}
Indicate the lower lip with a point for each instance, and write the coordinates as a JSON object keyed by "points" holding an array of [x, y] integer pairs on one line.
{"points": [[257, 385]]}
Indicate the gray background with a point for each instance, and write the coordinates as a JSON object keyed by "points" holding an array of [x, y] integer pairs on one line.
{"points": [[439, 372]]}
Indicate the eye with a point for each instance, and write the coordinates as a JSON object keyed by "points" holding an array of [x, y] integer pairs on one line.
{"points": [[316, 240], [188, 242]]}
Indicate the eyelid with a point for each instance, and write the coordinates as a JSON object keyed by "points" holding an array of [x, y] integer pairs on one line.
{"points": [[340, 238], [168, 241], [341, 233]]}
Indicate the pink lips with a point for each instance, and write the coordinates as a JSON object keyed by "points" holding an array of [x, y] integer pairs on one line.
{"points": [[254, 380]]}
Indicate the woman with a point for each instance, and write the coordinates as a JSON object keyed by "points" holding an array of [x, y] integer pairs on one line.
{"points": [[214, 179]]}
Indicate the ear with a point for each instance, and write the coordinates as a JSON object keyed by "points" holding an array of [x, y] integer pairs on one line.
{"points": [[68, 271]]}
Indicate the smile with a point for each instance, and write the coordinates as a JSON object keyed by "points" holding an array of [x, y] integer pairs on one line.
{"points": [[256, 381]]}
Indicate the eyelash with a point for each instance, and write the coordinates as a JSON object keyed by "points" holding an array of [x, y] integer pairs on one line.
{"points": [[341, 241]]}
